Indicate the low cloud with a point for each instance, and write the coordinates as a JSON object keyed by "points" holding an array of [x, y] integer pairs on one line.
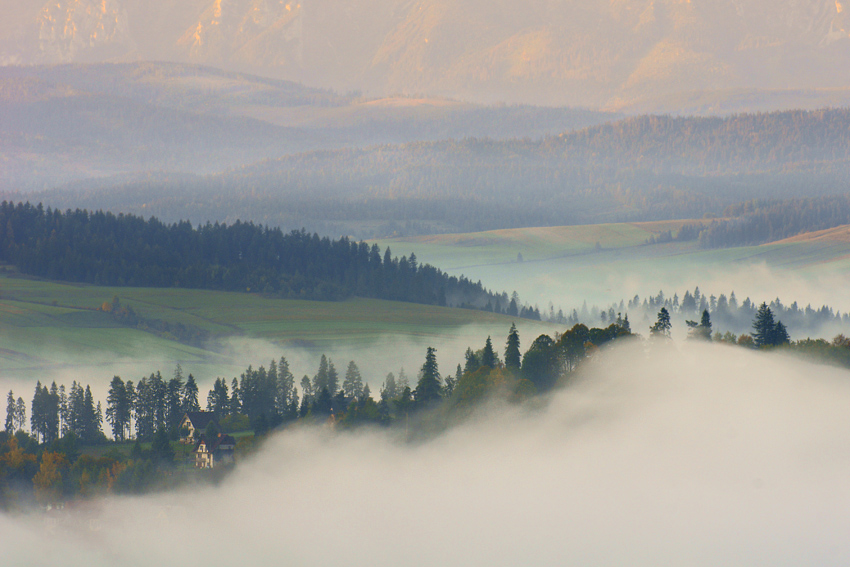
{"points": [[657, 454]]}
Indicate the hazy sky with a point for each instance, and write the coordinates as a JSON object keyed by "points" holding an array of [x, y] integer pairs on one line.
{"points": [[658, 455]]}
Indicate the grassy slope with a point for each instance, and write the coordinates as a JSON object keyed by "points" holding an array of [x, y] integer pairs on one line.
{"points": [[36, 333]]}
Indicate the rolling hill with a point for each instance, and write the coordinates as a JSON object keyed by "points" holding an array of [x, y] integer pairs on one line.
{"points": [[67, 123], [635, 169]]}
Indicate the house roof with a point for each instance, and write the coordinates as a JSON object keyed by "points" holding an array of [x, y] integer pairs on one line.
{"points": [[216, 442], [200, 419]]}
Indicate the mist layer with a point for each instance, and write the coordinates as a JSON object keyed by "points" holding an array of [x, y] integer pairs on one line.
{"points": [[656, 455]]}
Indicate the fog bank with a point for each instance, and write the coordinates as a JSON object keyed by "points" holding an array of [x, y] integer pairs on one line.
{"points": [[658, 455]]}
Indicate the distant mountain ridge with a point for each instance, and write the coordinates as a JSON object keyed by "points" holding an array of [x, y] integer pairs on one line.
{"points": [[635, 169], [610, 54]]}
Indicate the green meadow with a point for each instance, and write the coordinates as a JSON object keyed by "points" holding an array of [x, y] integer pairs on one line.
{"points": [[46, 327]]}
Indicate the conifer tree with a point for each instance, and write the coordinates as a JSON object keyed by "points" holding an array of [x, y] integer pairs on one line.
{"points": [[352, 386], [118, 409], [662, 326], [333, 379], [20, 414], [763, 327], [190, 396], [513, 356], [10, 413], [389, 391], [472, 362], [235, 405], [488, 356], [285, 387], [428, 387]]}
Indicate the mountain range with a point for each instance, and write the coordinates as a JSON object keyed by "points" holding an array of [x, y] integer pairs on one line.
{"points": [[613, 54]]}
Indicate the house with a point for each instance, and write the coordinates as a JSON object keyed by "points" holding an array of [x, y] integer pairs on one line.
{"points": [[195, 421], [210, 453]]}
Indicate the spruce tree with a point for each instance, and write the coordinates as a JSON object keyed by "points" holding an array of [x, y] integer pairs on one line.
{"points": [[662, 326], [20, 414], [118, 408], [472, 362], [190, 396], [513, 356], [428, 387], [352, 386], [488, 356], [10, 413], [333, 379], [763, 327]]}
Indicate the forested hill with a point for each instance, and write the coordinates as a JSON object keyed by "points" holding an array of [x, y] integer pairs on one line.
{"points": [[637, 169], [125, 250]]}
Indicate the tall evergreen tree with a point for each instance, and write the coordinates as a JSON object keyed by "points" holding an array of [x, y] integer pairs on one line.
{"points": [[20, 414], [488, 356], [662, 326], [174, 402], [428, 387], [10, 413], [235, 406], [389, 390], [320, 380], [472, 363], [352, 385], [333, 379], [118, 409], [190, 395], [285, 387], [513, 357], [764, 327]]}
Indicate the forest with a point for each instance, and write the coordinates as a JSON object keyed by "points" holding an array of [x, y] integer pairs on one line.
{"points": [[635, 169], [125, 250]]}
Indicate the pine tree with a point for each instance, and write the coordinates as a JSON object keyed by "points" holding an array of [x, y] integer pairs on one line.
{"points": [[333, 379], [472, 363], [10, 413], [235, 406], [763, 327], [118, 408], [320, 380], [428, 387], [389, 391], [513, 356], [190, 396], [662, 326], [285, 387], [174, 402], [780, 334], [488, 356], [20, 414], [352, 386]]}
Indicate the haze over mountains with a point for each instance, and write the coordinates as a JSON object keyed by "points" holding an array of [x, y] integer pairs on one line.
{"points": [[620, 54]]}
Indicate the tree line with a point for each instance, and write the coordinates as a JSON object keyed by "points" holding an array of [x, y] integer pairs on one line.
{"points": [[728, 313], [125, 250], [50, 462]]}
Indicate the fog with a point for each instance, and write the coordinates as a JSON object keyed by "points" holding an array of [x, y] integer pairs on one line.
{"points": [[229, 357], [659, 454]]}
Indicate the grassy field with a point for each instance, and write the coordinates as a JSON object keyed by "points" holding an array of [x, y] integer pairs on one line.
{"points": [[50, 329]]}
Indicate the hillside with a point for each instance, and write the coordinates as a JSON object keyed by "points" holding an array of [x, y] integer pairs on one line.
{"points": [[67, 123], [637, 169], [51, 328], [604, 54]]}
